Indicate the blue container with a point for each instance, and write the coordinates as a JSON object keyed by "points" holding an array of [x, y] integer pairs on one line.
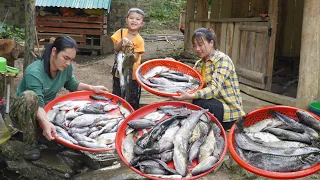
{"points": [[314, 107]]}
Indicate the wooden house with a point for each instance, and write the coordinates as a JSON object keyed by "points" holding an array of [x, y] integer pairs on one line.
{"points": [[259, 35], [84, 21]]}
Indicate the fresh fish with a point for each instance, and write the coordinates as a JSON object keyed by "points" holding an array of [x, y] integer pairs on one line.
{"points": [[51, 115], [60, 118], [78, 130], [219, 147], [80, 137], [128, 61], [309, 131], [207, 148], [286, 144], [155, 116], [204, 165], [106, 128], [64, 134], [154, 71], [309, 120], [201, 129], [262, 137], [277, 163], [120, 59], [127, 147], [94, 145], [110, 107], [107, 138], [246, 143], [179, 78], [261, 125], [181, 138], [71, 114], [195, 149], [289, 135], [73, 104], [88, 109], [174, 89], [124, 111], [166, 141], [153, 134], [100, 98], [139, 124], [83, 120]]}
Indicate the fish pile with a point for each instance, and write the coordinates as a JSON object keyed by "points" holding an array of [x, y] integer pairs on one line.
{"points": [[163, 79], [91, 124], [280, 143], [173, 136]]}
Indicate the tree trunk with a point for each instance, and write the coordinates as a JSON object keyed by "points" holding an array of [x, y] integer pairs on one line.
{"points": [[30, 24]]}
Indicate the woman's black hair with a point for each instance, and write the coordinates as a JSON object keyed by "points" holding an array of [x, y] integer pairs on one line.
{"points": [[207, 34], [61, 43]]}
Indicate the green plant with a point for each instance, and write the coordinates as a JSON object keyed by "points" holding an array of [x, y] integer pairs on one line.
{"points": [[166, 9], [11, 32]]}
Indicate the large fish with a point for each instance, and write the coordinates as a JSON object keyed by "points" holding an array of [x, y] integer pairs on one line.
{"points": [[279, 163], [181, 140], [309, 120]]}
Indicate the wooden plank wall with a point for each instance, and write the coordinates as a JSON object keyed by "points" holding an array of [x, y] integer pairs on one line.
{"points": [[76, 27], [220, 9]]}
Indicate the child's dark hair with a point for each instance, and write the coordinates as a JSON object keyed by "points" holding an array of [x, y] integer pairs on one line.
{"points": [[207, 34], [60, 43], [136, 10]]}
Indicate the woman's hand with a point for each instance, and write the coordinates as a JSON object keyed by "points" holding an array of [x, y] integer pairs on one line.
{"points": [[99, 89], [49, 130], [183, 96]]}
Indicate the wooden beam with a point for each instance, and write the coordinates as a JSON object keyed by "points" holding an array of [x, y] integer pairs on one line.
{"points": [[268, 96], [251, 75], [68, 24], [309, 74], [255, 19], [273, 13], [189, 15], [98, 20], [72, 31], [258, 29]]}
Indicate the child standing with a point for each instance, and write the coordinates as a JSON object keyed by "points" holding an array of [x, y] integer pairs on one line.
{"points": [[130, 37]]}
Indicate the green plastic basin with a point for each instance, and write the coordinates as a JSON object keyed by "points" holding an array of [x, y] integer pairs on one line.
{"points": [[314, 107]]}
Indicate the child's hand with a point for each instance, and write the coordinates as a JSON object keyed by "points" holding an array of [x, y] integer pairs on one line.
{"points": [[126, 42]]}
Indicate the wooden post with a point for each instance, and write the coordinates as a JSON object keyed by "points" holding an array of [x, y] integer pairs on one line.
{"points": [[273, 13], [189, 15], [309, 70], [29, 31]]}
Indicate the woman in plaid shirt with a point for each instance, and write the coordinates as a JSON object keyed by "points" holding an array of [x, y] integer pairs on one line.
{"points": [[221, 93]]}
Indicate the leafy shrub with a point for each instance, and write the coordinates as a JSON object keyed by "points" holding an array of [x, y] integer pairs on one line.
{"points": [[11, 32], [166, 9]]}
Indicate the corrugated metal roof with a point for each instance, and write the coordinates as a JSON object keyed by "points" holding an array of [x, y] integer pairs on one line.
{"points": [[80, 4]]}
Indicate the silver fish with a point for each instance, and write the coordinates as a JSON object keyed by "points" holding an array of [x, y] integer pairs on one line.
{"points": [[261, 125], [154, 71], [71, 114], [204, 165], [106, 138], [80, 137], [180, 150], [64, 134], [207, 148], [83, 120], [127, 147], [138, 124], [51, 115]]}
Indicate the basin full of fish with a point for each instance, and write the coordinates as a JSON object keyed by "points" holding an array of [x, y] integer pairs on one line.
{"points": [[281, 142], [171, 140], [88, 124]]}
